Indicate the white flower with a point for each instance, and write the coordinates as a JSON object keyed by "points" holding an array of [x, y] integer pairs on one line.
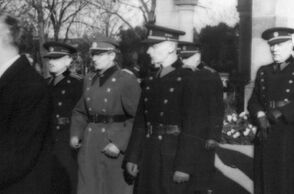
{"points": [[229, 118], [254, 129], [236, 135], [246, 132]]}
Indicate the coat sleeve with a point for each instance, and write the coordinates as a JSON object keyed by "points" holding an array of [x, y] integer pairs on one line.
{"points": [[185, 160], [254, 104], [130, 94], [79, 118], [26, 133], [134, 148], [288, 112], [216, 107]]}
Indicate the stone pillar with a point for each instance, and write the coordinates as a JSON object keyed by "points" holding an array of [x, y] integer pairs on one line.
{"points": [[177, 14], [186, 11]]}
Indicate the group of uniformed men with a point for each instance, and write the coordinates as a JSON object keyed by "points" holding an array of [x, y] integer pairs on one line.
{"points": [[109, 127]]}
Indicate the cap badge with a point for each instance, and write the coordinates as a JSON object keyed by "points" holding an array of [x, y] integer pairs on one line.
{"points": [[51, 49], [276, 34]]}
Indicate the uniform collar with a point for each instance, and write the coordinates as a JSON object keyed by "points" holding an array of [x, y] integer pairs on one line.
{"points": [[60, 77], [106, 74]]}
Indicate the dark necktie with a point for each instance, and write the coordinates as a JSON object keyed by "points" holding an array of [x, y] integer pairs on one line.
{"points": [[96, 76], [52, 81]]}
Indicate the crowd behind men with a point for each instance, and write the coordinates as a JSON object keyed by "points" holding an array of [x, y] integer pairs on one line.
{"points": [[108, 133]]}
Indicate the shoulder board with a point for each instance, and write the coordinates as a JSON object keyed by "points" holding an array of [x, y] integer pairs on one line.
{"points": [[76, 76], [128, 71], [209, 69]]}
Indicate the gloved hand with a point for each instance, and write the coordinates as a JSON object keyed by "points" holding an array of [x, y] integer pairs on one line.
{"points": [[75, 142], [181, 177], [264, 127], [111, 150], [132, 169], [211, 144], [274, 115]]}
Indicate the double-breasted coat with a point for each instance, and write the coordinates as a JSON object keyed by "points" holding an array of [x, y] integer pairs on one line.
{"points": [[207, 123], [163, 140], [113, 93], [65, 91], [274, 157], [24, 132]]}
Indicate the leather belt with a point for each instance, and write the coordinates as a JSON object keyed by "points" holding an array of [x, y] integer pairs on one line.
{"points": [[63, 120], [161, 129], [278, 104], [107, 118]]}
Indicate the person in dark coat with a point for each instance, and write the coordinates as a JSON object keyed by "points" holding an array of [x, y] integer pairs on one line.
{"points": [[25, 159], [162, 142], [211, 117], [271, 105], [102, 122], [65, 90]]}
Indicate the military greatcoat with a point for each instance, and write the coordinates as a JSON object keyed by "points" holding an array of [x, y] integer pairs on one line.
{"points": [[208, 124], [65, 90], [274, 158], [115, 92], [162, 139]]}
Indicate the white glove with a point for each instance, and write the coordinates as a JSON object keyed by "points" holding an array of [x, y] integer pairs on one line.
{"points": [[111, 150], [75, 142]]}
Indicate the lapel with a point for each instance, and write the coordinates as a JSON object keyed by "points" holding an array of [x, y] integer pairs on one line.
{"points": [[12, 72]]}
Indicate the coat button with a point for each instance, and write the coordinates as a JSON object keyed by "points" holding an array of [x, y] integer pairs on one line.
{"points": [[262, 80], [90, 109], [57, 127], [108, 90], [160, 137], [105, 100], [90, 129], [148, 123], [179, 79], [113, 80], [87, 88], [63, 92], [68, 81], [147, 135], [146, 111], [262, 73], [263, 87], [103, 110], [165, 101], [57, 116], [171, 90], [161, 114], [103, 130], [88, 99], [147, 88], [150, 78], [287, 90], [290, 81], [145, 99], [59, 103], [286, 100]]}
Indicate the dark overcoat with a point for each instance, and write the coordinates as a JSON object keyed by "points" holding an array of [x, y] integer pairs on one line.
{"points": [[208, 124], [165, 101], [115, 92], [65, 91], [274, 158], [24, 139]]}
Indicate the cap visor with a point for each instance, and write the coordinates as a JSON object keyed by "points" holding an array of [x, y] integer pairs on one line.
{"points": [[54, 56], [278, 40]]}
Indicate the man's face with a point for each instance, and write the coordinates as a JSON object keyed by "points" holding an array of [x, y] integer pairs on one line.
{"points": [[158, 52], [103, 61], [192, 61], [281, 51], [59, 65]]}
